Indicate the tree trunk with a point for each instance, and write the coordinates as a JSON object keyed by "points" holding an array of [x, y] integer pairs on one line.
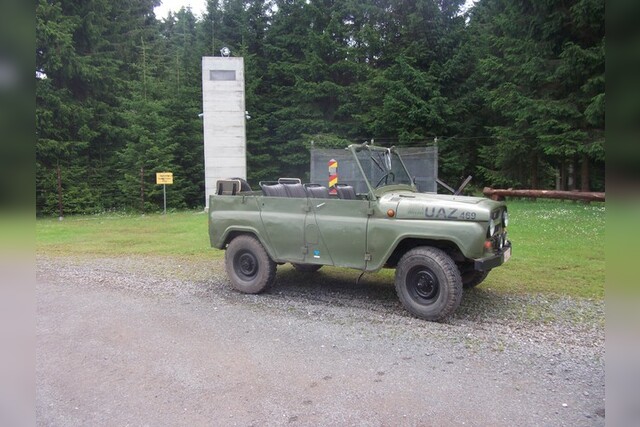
{"points": [[573, 174], [60, 211], [499, 194], [584, 174], [142, 189], [534, 171]]}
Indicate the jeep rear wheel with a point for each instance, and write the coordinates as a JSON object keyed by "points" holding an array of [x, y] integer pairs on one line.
{"points": [[248, 265], [306, 268], [428, 283]]}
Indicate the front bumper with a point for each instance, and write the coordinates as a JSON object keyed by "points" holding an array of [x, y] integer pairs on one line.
{"points": [[495, 260]]}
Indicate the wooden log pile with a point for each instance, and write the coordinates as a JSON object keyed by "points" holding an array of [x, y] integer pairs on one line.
{"points": [[500, 194]]}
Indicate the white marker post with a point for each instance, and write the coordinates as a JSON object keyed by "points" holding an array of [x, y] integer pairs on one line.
{"points": [[164, 178]]}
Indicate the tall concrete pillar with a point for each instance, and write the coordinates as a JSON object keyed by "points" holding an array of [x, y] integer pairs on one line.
{"points": [[223, 108]]}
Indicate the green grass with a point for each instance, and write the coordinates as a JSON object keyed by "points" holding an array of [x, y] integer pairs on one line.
{"points": [[558, 246], [175, 234], [558, 249]]}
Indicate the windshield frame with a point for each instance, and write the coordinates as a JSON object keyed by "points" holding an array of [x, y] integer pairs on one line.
{"points": [[376, 189]]}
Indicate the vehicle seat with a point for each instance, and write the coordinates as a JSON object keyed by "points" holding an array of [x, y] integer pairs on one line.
{"points": [[295, 190], [227, 187], [244, 185], [273, 190], [346, 192], [317, 191]]}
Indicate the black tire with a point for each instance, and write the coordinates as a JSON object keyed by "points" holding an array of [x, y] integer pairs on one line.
{"points": [[472, 278], [306, 268], [248, 265], [428, 283]]}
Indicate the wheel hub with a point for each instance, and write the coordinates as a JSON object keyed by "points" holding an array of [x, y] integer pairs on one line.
{"points": [[423, 284], [247, 264], [427, 284]]}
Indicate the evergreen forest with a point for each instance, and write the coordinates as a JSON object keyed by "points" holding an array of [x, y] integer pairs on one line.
{"points": [[511, 91]]}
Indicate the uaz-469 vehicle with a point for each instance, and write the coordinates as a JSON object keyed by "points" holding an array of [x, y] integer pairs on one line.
{"points": [[438, 244]]}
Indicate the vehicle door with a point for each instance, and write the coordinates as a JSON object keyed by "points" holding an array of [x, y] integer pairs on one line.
{"points": [[342, 229], [283, 219]]}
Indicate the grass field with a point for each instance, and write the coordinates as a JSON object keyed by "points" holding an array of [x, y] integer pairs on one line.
{"points": [[558, 246], [178, 234]]}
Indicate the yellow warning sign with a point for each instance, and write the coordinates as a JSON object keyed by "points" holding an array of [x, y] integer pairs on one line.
{"points": [[164, 177]]}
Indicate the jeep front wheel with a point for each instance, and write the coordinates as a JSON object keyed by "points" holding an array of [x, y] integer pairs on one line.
{"points": [[248, 265], [428, 283]]}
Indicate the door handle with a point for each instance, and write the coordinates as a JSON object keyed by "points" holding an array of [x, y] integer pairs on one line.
{"points": [[320, 205]]}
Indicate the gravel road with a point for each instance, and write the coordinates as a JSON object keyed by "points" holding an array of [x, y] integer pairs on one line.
{"points": [[160, 341]]}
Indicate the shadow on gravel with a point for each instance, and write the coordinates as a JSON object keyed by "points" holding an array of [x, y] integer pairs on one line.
{"points": [[377, 292], [374, 291], [336, 287], [334, 280], [332, 287], [325, 293]]}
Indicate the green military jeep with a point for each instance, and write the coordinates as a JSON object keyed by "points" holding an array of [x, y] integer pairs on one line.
{"points": [[438, 244]]}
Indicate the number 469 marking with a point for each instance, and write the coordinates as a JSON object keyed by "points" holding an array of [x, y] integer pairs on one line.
{"points": [[467, 215]]}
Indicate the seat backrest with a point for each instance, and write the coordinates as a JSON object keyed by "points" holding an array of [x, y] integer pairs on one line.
{"points": [[289, 181], [294, 190], [346, 192], [317, 191], [274, 190], [244, 185], [227, 187]]}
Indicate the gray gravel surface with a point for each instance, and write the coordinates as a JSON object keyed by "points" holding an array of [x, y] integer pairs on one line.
{"points": [[161, 341]]}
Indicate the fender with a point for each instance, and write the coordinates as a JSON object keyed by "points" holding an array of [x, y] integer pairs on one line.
{"points": [[229, 232], [385, 235]]}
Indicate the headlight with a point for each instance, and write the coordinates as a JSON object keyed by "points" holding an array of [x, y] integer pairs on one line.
{"points": [[505, 218], [492, 227]]}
